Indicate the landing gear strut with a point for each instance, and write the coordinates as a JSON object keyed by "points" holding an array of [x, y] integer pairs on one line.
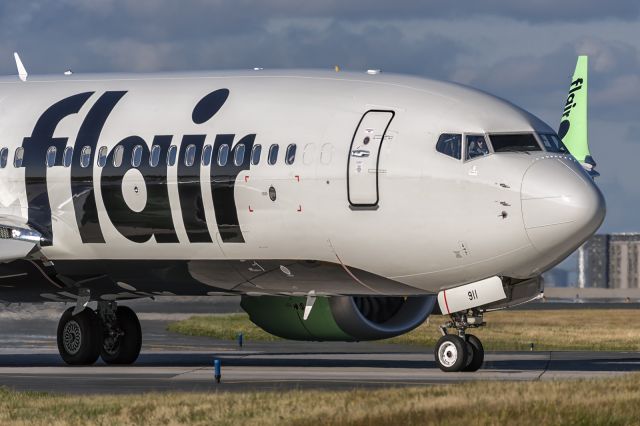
{"points": [[461, 352], [112, 332]]}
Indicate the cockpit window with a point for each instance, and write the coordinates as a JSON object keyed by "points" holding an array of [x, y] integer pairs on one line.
{"points": [[517, 142], [552, 143], [476, 147], [450, 144]]}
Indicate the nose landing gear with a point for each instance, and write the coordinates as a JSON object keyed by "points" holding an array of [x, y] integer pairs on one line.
{"points": [[451, 353], [112, 332], [461, 352]]}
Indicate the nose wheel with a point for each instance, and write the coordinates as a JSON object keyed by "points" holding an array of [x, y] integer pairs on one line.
{"points": [[451, 353], [476, 353], [460, 352]]}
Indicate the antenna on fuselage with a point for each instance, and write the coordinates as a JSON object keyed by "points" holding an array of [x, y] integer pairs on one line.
{"points": [[22, 71]]}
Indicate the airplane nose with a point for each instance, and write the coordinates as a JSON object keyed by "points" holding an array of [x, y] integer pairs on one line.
{"points": [[561, 206]]}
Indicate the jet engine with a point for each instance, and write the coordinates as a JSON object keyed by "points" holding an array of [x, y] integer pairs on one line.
{"points": [[338, 318]]}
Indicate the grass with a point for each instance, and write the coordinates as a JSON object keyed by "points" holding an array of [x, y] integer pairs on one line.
{"points": [[614, 401], [571, 329], [222, 327]]}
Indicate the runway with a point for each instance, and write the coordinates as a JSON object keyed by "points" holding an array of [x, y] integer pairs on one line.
{"points": [[171, 362]]}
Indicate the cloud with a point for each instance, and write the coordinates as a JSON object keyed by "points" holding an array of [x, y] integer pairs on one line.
{"points": [[164, 19], [355, 10], [292, 45], [540, 83]]}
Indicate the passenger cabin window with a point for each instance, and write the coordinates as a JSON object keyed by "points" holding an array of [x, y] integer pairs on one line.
{"points": [[154, 158], [273, 154], [51, 156], [4, 155], [102, 156], [67, 156], [450, 144], [326, 153], [255, 154], [85, 156], [307, 154], [223, 155], [476, 147], [238, 156], [517, 142], [190, 155], [118, 155], [552, 143], [291, 154], [18, 157], [171, 157], [136, 158], [207, 151]]}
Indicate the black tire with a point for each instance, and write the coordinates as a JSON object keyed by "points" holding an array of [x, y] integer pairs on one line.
{"points": [[79, 337], [451, 353], [127, 346], [476, 354]]}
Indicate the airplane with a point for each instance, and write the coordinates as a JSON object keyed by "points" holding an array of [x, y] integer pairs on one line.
{"points": [[341, 206]]}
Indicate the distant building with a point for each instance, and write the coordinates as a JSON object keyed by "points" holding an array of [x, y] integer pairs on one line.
{"points": [[556, 277], [610, 261], [593, 262]]}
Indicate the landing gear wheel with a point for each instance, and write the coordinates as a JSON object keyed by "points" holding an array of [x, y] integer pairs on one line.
{"points": [[79, 337], [451, 353], [122, 338], [476, 353]]}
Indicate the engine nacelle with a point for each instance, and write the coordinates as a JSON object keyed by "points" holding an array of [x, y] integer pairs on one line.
{"points": [[338, 318]]}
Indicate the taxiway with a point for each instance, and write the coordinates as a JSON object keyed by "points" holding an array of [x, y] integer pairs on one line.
{"points": [[172, 362]]}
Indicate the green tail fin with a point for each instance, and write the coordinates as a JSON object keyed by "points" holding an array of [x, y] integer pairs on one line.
{"points": [[573, 126]]}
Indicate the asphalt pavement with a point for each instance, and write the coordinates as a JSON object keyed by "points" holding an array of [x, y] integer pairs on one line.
{"points": [[29, 359]]}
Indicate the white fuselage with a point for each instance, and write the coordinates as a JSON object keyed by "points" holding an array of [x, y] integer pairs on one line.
{"points": [[438, 222]]}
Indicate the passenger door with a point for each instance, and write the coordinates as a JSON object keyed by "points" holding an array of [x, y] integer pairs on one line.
{"points": [[364, 158]]}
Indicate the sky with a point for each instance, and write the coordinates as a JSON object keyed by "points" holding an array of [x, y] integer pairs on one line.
{"points": [[525, 53]]}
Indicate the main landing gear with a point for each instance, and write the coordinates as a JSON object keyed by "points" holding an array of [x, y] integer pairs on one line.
{"points": [[461, 352], [112, 332]]}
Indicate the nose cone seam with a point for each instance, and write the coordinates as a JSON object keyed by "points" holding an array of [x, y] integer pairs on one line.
{"points": [[561, 206]]}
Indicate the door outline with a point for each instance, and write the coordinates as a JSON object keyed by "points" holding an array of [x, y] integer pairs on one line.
{"points": [[353, 138]]}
